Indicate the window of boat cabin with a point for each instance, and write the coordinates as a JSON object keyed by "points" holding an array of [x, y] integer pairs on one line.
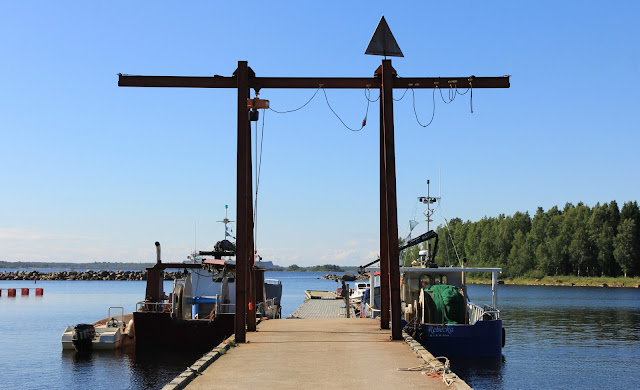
{"points": [[430, 280]]}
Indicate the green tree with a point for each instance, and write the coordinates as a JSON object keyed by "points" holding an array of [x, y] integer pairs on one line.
{"points": [[521, 258], [626, 247], [601, 234], [614, 213], [538, 238]]}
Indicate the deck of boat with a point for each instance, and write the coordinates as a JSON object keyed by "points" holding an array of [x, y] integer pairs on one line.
{"points": [[312, 352], [126, 319]]}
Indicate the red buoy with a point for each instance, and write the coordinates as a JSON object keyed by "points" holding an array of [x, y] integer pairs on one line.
{"points": [[25, 291], [11, 292], [39, 291]]}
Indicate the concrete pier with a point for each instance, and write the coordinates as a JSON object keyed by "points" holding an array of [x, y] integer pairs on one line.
{"points": [[320, 353]]}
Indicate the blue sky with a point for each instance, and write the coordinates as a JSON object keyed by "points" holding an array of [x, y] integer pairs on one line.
{"points": [[94, 172]]}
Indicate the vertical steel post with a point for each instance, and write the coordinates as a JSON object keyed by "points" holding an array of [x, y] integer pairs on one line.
{"points": [[384, 244], [392, 211], [242, 241], [494, 290], [251, 288]]}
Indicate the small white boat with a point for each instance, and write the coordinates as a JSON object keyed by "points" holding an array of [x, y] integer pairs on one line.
{"points": [[110, 333], [359, 289]]}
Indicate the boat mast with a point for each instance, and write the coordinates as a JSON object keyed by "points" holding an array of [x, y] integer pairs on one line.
{"points": [[226, 221], [428, 200]]}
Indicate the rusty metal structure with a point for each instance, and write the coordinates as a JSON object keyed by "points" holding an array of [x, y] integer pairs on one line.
{"points": [[385, 79]]}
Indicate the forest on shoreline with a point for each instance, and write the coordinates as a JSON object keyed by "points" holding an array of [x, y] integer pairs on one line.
{"points": [[603, 241], [579, 241]]}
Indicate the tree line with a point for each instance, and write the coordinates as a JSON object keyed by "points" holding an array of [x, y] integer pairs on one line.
{"points": [[576, 240], [315, 268]]}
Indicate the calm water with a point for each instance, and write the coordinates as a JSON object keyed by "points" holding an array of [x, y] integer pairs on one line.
{"points": [[557, 337]]}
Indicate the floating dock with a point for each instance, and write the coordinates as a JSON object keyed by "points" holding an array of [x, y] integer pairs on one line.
{"points": [[309, 351]]}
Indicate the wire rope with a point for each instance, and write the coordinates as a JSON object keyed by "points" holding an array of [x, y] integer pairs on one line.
{"points": [[258, 174], [299, 108], [364, 122], [368, 91], [452, 243], [402, 97], [433, 113]]}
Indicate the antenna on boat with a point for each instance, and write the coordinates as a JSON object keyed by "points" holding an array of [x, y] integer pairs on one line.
{"points": [[428, 200], [226, 221]]}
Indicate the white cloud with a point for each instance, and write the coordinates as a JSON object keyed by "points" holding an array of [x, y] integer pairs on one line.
{"points": [[22, 234]]}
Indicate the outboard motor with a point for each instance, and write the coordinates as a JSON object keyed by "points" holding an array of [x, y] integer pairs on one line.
{"points": [[82, 338]]}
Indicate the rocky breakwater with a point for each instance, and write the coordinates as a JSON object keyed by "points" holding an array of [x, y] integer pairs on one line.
{"points": [[339, 277], [83, 275]]}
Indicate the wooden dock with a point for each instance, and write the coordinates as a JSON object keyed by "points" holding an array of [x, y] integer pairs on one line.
{"points": [[322, 308], [320, 353]]}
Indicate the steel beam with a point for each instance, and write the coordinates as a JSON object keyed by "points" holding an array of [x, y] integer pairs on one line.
{"points": [[251, 311], [384, 244], [242, 241], [386, 96], [311, 82]]}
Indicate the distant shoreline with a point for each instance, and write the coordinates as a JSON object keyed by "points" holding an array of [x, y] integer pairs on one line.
{"points": [[566, 281], [106, 266]]}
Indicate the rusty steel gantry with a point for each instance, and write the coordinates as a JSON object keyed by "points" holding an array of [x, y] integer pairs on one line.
{"points": [[385, 79]]}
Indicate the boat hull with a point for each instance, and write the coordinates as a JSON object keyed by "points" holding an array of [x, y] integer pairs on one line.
{"points": [[161, 330], [482, 339]]}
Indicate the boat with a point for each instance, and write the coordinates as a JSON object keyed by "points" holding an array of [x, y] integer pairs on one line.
{"points": [[360, 287], [437, 311], [199, 311], [113, 332]]}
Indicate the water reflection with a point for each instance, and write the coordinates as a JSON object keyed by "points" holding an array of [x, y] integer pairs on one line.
{"points": [[561, 337], [131, 369], [480, 373]]}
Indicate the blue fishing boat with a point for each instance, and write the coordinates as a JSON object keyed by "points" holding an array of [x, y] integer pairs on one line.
{"points": [[438, 313], [436, 308]]}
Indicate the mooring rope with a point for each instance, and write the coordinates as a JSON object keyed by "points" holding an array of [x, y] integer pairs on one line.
{"points": [[435, 368]]}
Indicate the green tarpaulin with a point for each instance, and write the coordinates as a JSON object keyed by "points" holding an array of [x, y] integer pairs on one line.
{"points": [[446, 305]]}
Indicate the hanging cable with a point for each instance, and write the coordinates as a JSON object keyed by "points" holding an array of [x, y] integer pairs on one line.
{"points": [[446, 246], [367, 95], [452, 243], [433, 113], [364, 121], [258, 160], [402, 97], [299, 108]]}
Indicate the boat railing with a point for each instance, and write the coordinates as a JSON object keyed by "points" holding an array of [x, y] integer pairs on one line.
{"points": [[272, 301], [226, 308], [154, 307], [477, 313]]}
